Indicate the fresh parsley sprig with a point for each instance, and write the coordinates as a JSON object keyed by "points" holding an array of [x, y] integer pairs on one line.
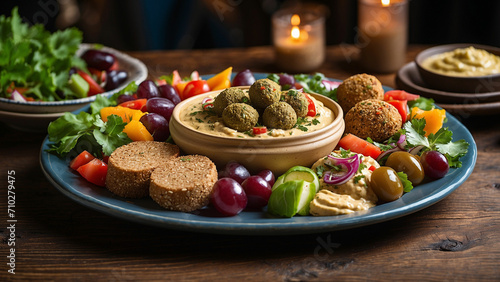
{"points": [[442, 141]]}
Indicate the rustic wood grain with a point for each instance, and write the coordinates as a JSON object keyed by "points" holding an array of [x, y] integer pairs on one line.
{"points": [[58, 239]]}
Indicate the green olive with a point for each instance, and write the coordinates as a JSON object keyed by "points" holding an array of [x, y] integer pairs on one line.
{"points": [[386, 184], [407, 163]]}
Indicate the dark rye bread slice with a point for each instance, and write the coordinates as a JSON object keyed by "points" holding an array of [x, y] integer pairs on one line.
{"points": [[184, 183], [130, 167]]}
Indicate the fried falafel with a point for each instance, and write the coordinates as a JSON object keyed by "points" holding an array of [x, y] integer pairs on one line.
{"points": [[297, 100], [279, 115], [227, 97], [240, 116], [357, 88], [373, 118], [264, 92]]}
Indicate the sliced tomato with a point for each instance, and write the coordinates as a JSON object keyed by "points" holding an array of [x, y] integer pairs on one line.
{"points": [[311, 108], [94, 87], [114, 66], [82, 158], [259, 130], [402, 107], [94, 172], [372, 168], [13, 87], [194, 88], [399, 95], [138, 104], [360, 146], [100, 75]]}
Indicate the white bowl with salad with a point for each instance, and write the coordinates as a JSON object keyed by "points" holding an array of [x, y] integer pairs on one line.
{"points": [[50, 73]]}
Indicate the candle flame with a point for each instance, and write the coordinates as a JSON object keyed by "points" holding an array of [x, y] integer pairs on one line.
{"points": [[386, 2], [295, 20], [295, 32]]}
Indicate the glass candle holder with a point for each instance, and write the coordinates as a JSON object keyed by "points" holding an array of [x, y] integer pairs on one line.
{"points": [[299, 38], [383, 34]]}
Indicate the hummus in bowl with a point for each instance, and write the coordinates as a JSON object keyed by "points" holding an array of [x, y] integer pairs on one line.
{"points": [[196, 132], [460, 68]]}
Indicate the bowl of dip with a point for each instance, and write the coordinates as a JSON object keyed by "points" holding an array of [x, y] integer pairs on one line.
{"points": [[197, 132], [460, 68]]}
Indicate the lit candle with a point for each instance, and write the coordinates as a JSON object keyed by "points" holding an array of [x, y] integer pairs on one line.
{"points": [[383, 34], [299, 40]]}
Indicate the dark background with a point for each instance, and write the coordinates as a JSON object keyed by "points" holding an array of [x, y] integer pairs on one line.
{"points": [[202, 24]]}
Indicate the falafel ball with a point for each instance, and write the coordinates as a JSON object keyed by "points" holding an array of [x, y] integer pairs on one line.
{"points": [[279, 115], [240, 116], [297, 100], [373, 118], [264, 92], [227, 97], [357, 88]]}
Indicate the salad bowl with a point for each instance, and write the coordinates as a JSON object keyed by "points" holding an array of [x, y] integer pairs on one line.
{"points": [[23, 113]]}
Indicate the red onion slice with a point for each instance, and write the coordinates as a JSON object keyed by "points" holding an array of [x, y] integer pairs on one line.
{"points": [[349, 168]]}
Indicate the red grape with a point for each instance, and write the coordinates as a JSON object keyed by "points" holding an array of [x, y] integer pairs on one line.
{"points": [[114, 78], [235, 171], [268, 176], [161, 106], [228, 197], [157, 125], [435, 164], [98, 59], [257, 190], [243, 78], [169, 92], [147, 89]]}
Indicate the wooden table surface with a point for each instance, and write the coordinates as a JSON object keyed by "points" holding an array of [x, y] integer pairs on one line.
{"points": [[456, 239]]}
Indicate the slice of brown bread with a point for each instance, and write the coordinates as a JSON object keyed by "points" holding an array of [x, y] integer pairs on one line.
{"points": [[184, 183], [130, 167]]}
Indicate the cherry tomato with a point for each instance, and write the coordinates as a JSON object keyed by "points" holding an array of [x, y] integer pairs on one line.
{"points": [[82, 158], [194, 88], [94, 171], [360, 146], [138, 104], [259, 130], [100, 75], [402, 107], [94, 87], [311, 108], [399, 95]]}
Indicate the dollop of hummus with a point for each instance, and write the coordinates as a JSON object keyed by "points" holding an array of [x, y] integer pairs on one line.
{"points": [[354, 195], [464, 62]]}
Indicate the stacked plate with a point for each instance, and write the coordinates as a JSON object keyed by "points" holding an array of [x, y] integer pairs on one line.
{"points": [[487, 102], [36, 116]]}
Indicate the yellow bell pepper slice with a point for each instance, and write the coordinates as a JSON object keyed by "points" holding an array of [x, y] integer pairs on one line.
{"points": [[433, 119], [136, 131], [222, 79]]}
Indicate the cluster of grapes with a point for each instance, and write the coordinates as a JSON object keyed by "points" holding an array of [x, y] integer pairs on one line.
{"points": [[237, 189], [104, 61], [161, 101]]}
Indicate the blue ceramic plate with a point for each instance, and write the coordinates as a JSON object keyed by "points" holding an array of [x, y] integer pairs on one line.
{"points": [[146, 211]]}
